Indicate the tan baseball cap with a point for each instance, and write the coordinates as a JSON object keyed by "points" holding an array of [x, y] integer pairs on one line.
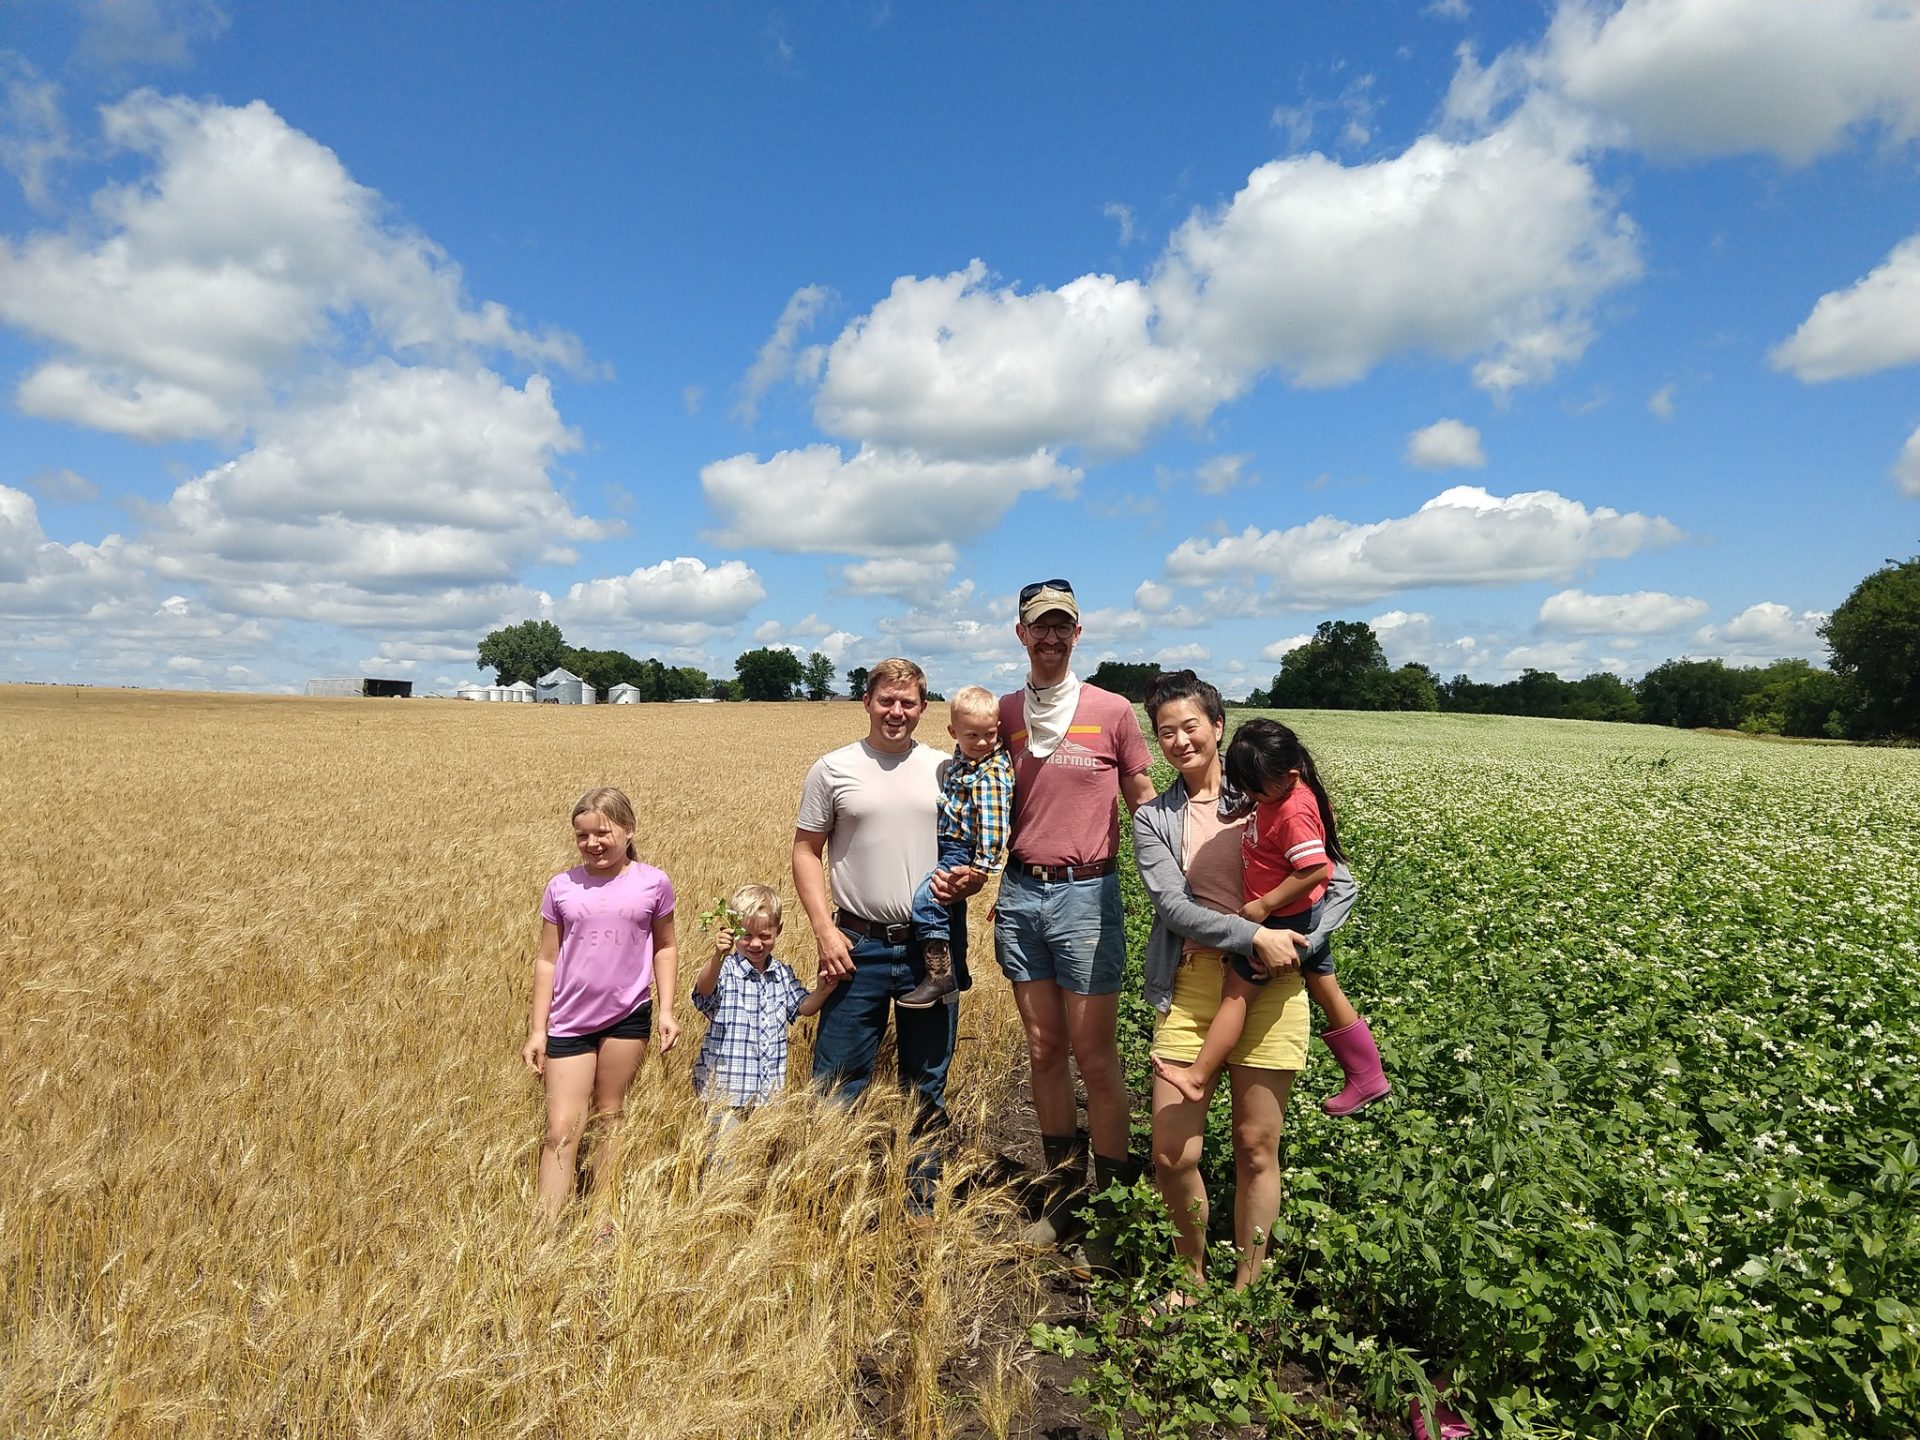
{"points": [[1044, 595]]}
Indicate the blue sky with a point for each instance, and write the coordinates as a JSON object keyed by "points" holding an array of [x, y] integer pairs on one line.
{"points": [[1574, 335]]}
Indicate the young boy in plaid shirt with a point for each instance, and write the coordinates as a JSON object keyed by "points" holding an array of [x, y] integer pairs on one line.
{"points": [[749, 999], [976, 815]]}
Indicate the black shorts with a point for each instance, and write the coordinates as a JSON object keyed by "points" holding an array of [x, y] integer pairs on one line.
{"points": [[1317, 961], [637, 1026]]}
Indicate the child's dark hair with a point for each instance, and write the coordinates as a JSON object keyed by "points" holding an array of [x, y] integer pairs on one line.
{"points": [[1172, 685], [1258, 759]]}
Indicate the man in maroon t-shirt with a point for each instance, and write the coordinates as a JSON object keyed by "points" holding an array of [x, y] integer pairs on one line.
{"points": [[1057, 930]]}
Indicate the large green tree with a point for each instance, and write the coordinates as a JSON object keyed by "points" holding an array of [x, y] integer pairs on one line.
{"points": [[817, 675], [1874, 636], [768, 674], [1694, 694], [1413, 687], [522, 652], [604, 669], [857, 682], [1124, 677], [688, 682], [1341, 668]]}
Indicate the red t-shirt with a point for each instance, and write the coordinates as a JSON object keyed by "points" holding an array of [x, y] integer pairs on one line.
{"points": [[1063, 806], [1283, 837]]}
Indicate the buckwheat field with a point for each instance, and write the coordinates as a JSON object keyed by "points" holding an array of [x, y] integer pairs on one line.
{"points": [[1648, 1000]]}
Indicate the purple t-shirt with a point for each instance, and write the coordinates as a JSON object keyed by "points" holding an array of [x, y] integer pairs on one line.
{"points": [[605, 970]]}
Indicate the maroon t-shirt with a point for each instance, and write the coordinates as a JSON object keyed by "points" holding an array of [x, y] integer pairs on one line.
{"points": [[1063, 806]]}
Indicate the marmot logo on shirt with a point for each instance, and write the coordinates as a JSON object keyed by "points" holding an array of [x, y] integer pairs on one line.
{"points": [[1072, 753]]}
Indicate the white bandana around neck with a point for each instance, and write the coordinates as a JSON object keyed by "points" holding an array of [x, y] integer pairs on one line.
{"points": [[1049, 711]]}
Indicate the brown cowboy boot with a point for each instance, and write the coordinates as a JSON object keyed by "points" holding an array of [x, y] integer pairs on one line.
{"points": [[939, 983]]}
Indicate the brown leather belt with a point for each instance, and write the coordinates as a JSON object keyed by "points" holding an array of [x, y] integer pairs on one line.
{"points": [[873, 929], [1053, 874]]}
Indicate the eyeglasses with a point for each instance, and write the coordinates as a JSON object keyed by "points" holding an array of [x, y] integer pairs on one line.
{"points": [[1058, 630], [1027, 592]]}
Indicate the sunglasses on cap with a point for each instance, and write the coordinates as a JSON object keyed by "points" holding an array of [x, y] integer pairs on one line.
{"points": [[1027, 592]]}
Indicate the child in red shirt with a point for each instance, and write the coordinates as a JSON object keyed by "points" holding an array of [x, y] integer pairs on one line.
{"points": [[1289, 850]]}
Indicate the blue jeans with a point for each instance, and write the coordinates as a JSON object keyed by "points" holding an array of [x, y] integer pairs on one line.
{"points": [[855, 1017], [931, 919]]}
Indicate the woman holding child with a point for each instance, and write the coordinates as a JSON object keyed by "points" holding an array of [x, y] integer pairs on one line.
{"points": [[1189, 848]]}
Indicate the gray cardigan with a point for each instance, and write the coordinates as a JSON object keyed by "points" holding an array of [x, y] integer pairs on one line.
{"points": [[1158, 839]]}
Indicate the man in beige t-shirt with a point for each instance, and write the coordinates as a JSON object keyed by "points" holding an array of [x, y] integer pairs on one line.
{"points": [[868, 820]]}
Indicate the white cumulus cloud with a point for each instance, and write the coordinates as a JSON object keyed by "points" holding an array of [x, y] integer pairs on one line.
{"points": [[1767, 631], [240, 251], [684, 588], [404, 487], [1644, 612], [1409, 637], [775, 362], [1491, 250], [1907, 468], [954, 365], [1446, 445], [1872, 325], [63, 484], [1276, 651], [1463, 536], [879, 502], [1718, 77], [898, 578]]}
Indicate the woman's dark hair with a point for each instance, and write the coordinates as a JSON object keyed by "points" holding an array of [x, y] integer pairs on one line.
{"points": [[1258, 759], [1183, 685]]}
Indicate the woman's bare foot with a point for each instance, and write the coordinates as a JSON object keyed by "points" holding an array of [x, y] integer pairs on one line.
{"points": [[1176, 1300], [1184, 1078]]}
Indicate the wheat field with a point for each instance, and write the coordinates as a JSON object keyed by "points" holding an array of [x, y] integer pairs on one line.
{"points": [[269, 1147]]}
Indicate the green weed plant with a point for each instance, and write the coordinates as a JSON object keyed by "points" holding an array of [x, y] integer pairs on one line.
{"points": [[1648, 1002]]}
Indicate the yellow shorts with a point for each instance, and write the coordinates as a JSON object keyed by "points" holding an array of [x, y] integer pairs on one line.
{"points": [[1276, 1034]]}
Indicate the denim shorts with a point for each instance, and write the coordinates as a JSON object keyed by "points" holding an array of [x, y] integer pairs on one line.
{"points": [[1066, 931], [1317, 961], [637, 1026]]}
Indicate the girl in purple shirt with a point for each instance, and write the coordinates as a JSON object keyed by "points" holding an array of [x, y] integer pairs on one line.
{"points": [[606, 949]]}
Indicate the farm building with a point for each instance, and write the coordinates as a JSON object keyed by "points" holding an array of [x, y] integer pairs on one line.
{"points": [[470, 691], [522, 692], [566, 688], [624, 694], [400, 689]]}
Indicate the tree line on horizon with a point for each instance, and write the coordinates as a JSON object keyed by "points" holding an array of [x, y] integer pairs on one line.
{"points": [[1871, 690], [534, 648]]}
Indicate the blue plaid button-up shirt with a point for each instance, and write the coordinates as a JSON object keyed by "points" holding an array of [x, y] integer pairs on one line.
{"points": [[743, 1058], [976, 806]]}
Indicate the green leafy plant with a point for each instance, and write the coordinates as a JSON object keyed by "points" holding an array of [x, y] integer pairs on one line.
{"points": [[719, 916], [1650, 1167]]}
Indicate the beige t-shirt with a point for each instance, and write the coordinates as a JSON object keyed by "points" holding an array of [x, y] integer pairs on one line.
{"points": [[1213, 860], [880, 813]]}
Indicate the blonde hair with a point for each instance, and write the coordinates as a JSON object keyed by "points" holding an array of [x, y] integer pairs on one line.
{"points": [[974, 700], [611, 804], [896, 671], [751, 902]]}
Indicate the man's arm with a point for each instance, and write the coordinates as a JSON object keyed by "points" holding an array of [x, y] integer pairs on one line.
{"points": [[810, 884], [1136, 790]]}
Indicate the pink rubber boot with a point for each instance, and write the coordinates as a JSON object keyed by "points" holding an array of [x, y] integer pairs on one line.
{"points": [[1359, 1057]]}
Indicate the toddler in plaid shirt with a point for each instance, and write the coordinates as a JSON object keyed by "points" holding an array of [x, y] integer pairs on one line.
{"points": [[749, 999], [976, 815]]}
